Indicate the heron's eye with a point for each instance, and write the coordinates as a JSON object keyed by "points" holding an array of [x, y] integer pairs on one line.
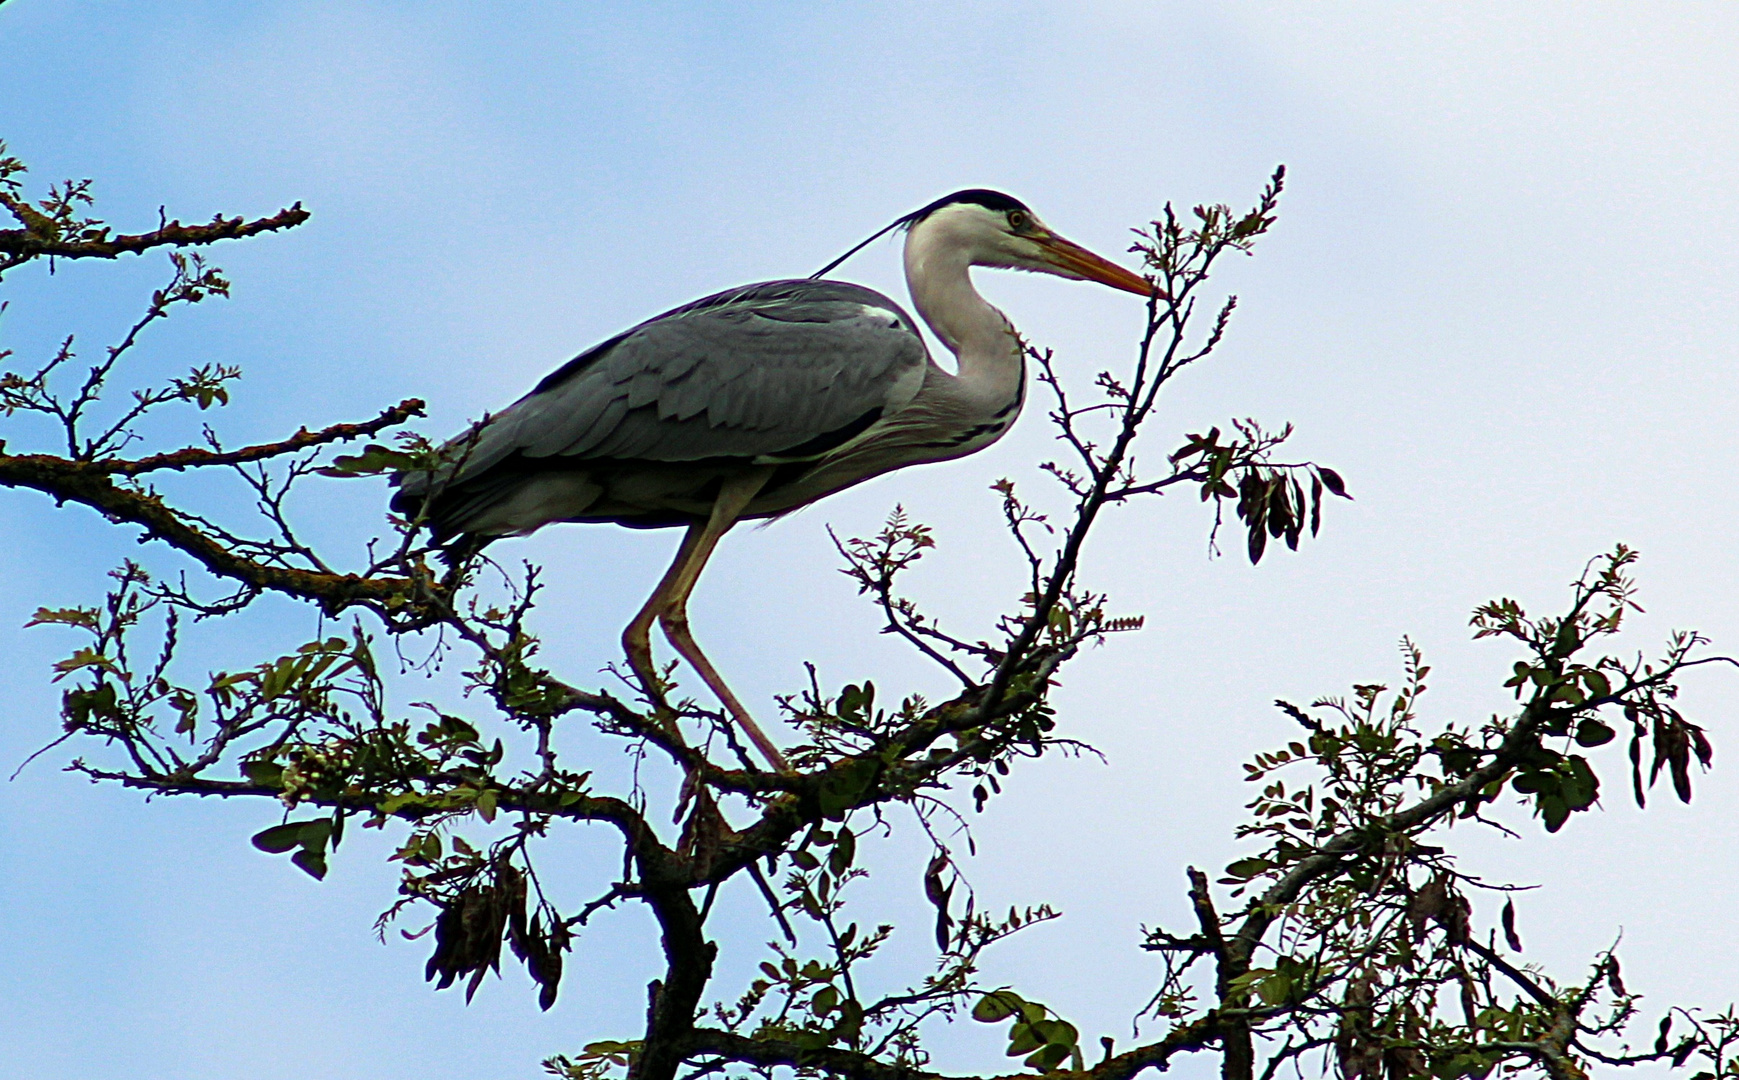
{"points": [[1017, 220]]}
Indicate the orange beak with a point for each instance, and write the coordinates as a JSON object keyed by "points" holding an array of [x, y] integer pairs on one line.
{"points": [[1077, 261]]}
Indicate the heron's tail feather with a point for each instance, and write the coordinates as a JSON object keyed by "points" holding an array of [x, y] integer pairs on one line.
{"points": [[499, 503]]}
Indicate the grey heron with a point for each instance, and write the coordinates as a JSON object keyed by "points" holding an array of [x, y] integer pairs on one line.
{"points": [[756, 401]]}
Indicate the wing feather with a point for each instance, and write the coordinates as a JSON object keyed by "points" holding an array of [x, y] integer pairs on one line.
{"points": [[726, 379], [783, 368]]}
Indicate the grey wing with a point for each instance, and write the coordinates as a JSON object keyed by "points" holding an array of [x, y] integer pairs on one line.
{"points": [[777, 371]]}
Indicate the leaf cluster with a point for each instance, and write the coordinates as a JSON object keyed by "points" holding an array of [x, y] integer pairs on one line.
{"points": [[1359, 938], [1349, 931]]}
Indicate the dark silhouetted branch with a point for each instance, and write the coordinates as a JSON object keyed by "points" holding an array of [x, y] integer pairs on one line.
{"points": [[40, 240]]}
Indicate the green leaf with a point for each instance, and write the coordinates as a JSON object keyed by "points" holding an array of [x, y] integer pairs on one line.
{"points": [[310, 836], [276, 678], [1581, 787], [1244, 869], [850, 1020], [78, 706], [843, 785], [85, 617], [844, 851], [1593, 733], [1533, 782], [1332, 481], [1023, 1038], [1568, 639], [313, 861], [1274, 989], [857, 703], [373, 461], [263, 772], [189, 708], [82, 658], [280, 838], [1048, 1057], [996, 1006], [1554, 811], [825, 1001]]}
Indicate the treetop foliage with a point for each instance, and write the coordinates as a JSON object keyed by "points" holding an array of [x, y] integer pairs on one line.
{"points": [[1347, 938]]}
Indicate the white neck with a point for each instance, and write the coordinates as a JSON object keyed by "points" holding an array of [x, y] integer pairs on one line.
{"points": [[938, 273]]}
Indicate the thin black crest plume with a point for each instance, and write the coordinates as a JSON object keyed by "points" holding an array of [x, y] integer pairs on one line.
{"points": [[990, 200]]}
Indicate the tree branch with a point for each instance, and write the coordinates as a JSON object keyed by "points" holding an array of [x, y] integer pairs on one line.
{"points": [[21, 245], [194, 457], [89, 484], [768, 1053]]}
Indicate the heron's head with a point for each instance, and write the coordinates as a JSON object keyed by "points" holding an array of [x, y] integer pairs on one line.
{"points": [[988, 228]]}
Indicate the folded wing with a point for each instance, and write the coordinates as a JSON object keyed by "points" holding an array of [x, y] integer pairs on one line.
{"points": [[775, 372]]}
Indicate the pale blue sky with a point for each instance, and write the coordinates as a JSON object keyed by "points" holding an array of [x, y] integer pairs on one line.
{"points": [[1501, 300]]}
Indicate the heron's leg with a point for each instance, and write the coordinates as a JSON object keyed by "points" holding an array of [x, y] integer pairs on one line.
{"points": [[636, 639], [734, 495]]}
